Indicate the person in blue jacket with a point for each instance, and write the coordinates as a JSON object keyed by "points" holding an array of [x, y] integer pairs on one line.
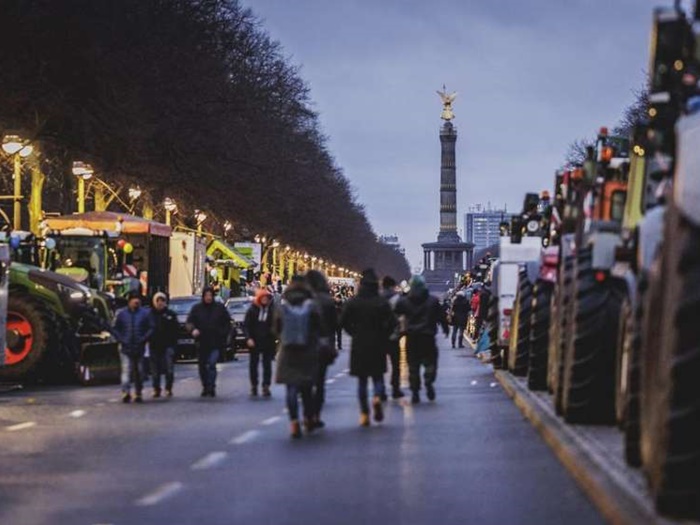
{"points": [[132, 329]]}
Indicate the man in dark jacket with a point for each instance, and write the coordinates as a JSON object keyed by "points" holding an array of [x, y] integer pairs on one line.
{"points": [[390, 293], [369, 320], [421, 315], [162, 344], [329, 326], [460, 316], [132, 329], [210, 324], [260, 340]]}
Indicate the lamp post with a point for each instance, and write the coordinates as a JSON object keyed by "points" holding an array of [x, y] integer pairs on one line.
{"points": [[18, 149], [84, 172], [170, 208], [200, 217]]}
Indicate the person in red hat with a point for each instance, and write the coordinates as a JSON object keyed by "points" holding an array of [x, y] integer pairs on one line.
{"points": [[261, 341]]}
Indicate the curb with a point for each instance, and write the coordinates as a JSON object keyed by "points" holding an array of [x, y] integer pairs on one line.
{"points": [[606, 483]]}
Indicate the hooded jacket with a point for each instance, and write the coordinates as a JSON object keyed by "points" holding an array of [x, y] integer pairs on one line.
{"points": [[422, 311], [213, 322], [165, 329], [259, 320]]}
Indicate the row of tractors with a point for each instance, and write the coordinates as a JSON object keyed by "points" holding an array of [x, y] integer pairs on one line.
{"points": [[59, 289], [607, 317]]}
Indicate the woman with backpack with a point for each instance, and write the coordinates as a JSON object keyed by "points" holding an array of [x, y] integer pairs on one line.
{"points": [[297, 324], [327, 350], [370, 321]]}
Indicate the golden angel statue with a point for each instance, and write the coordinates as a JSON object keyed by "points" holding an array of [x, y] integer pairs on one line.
{"points": [[447, 100]]}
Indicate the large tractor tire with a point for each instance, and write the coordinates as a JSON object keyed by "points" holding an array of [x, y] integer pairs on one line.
{"points": [[624, 334], [539, 335], [31, 334], [670, 434], [558, 343], [492, 321], [633, 349], [518, 356], [589, 374]]}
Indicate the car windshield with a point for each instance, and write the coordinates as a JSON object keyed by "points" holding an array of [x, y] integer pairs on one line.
{"points": [[182, 307], [238, 307]]}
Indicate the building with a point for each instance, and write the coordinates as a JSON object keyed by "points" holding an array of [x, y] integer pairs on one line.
{"points": [[393, 242], [449, 257], [482, 225]]}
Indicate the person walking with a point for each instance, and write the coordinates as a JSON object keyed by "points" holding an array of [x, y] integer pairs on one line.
{"points": [[390, 293], [258, 325], [459, 314], [421, 315], [297, 325], [339, 304], [327, 353], [369, 320], [132, 329], [162, 344], [210, 324]]}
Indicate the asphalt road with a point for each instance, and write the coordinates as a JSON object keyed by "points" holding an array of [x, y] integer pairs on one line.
{"points": [[78, 456]]}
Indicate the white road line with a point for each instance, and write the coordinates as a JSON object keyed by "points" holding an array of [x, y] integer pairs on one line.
{"points": [[493, 385], [209, 461], [165, 491], [473, 383], [113, 400], [77, 413], [338, 376], [20, 426], [270, 421], [245, 437], [330, 381]]}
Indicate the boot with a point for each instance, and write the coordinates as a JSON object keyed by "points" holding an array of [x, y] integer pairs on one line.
{"points": [[309, 426], [430, 392], [169, 392], [266, 391], [156, 392], [377, 409], [364, 420], [126, 397], [295, 429], [415, 398], [254, 391]]}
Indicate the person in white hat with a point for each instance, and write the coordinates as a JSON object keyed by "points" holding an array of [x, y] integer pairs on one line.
{"points": [[163, 343]]}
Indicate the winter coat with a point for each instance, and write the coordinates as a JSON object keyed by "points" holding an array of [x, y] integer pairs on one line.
{"points": [[132, 329], [423, 314], [369, 320], [476, 300], [297, 365], [460, 310], [259, 327], [393, 298], [165, 330], [214, 325]]}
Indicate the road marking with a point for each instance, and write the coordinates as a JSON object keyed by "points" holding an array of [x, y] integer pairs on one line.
{"points": [[493, 385], [338, 376], [271, 421], [330, 381], [245, 437], [165, 491], [113, 400], [20, 426], [77, 413], [209, 461], [473, 383], [347, 370]]}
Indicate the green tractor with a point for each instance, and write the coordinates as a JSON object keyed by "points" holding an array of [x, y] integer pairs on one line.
{"points": [[57, 328]]}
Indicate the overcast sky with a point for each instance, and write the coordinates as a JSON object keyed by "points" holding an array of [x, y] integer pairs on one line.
{"points": [[532, 75]]}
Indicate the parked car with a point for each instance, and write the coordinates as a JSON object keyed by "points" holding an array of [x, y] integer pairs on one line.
{"points": [[186, 348], [237, 308]]}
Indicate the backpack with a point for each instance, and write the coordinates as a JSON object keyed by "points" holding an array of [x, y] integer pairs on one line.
{"points": [[296, 323]]}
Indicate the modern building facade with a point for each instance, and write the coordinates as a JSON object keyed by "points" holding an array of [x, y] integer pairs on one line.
{"points": [[482, 225]]}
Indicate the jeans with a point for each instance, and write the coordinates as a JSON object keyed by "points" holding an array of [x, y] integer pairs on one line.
{"points": [[319, 390], [163, 363], [394, 353], [207, 368], [362, 390], [293, 392], [132, 371], [339, 337], [458, 333], [254, 364], [421, 352]]}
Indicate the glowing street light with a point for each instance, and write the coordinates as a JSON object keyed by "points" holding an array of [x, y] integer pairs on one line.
{"points": [[135, 193], [200, 217], [17, 148], [83, 171], [228, 226], [170, 207]]}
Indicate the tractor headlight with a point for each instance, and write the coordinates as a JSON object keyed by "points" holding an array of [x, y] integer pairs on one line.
{"points": [[76, 293]]}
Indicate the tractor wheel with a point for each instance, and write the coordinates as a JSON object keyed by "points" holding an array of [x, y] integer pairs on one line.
{"points": [[589, 373], [671, 403], [633, 347], [31, 331], [539, 336], [559, 343], [624, 334], [496, 359], [520, 349]]}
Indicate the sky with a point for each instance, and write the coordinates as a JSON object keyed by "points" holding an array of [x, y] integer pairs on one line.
{"points": [[531, 76]]}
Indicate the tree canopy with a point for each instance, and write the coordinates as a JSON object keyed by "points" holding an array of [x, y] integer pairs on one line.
{"points": [[192, 100]]}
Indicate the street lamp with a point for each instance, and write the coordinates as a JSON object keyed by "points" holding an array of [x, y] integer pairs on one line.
{"points": [[134, 193], [200, 217], [84, 172], [170, 207], [18, 149]]}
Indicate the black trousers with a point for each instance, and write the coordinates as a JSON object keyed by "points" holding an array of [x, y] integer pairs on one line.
{"points": [[254, 364], [319, 390], [339, 337], [394, 353], [422, 352]]}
